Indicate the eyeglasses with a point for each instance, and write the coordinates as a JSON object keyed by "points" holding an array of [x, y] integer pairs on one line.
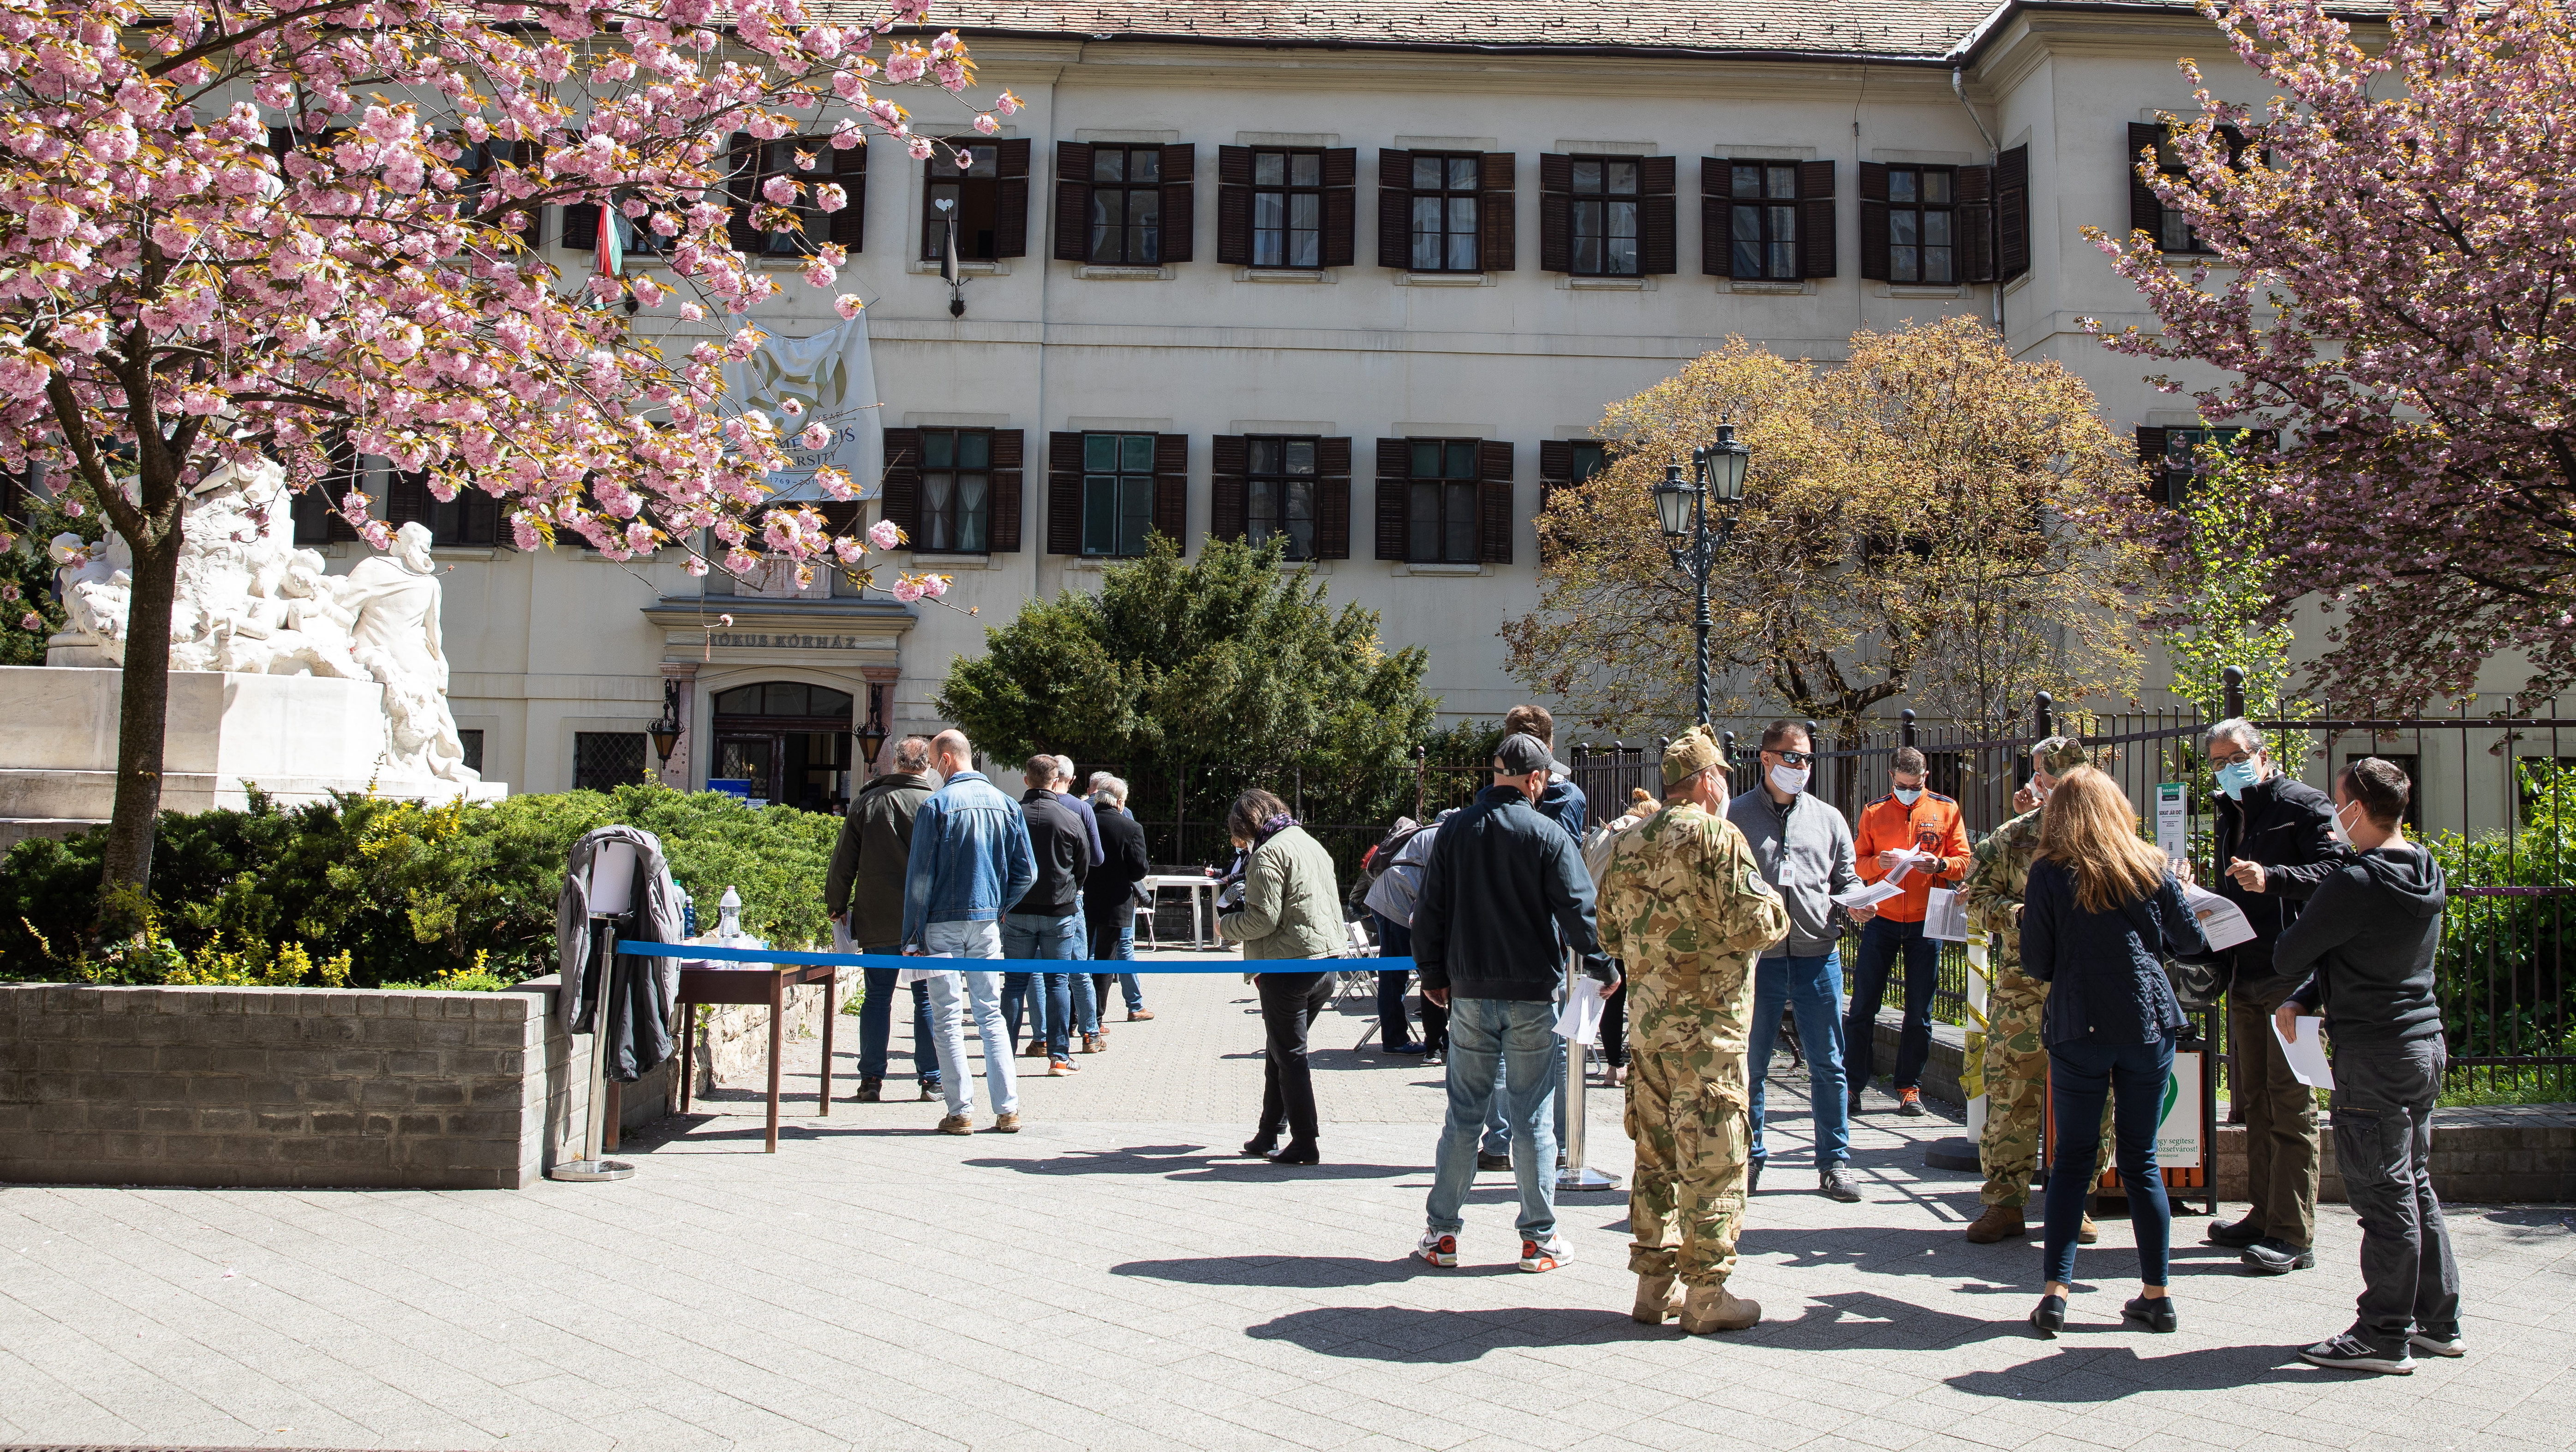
{"points": [[1794, 758]]}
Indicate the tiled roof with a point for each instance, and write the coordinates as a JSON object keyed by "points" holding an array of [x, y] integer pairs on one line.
{"points": [[1917, 29]]}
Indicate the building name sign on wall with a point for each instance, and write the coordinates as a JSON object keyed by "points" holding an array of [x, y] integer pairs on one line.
{"points": [[748, 640]]}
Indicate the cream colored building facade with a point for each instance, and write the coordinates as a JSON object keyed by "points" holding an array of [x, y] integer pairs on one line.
{"points": [[562, 659]]}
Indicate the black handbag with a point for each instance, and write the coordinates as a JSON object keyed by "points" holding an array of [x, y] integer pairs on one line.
{"points": [[2196, 981]]}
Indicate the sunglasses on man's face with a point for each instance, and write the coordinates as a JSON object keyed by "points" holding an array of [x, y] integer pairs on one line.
{"points": [[1794, 758]]}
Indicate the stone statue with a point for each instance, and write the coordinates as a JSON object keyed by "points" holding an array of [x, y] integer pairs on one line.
{"points": [[394, 599]]}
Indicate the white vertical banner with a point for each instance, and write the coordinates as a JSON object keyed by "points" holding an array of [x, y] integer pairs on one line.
{"points": [[831, 377], [2173, 820], [2178, 1127]]}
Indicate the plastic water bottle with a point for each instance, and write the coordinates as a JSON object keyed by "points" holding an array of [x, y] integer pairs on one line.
{"points": [[688, 916], [729, 916]]}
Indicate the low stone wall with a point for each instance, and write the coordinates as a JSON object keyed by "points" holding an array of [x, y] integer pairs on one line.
{"points": [[291, 1086]]}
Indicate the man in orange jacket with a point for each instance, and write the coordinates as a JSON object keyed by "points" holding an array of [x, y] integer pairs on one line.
{"points": [[1906, 820]]}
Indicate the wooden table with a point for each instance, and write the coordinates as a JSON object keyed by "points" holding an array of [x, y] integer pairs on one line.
{"points": [[745, 983]]}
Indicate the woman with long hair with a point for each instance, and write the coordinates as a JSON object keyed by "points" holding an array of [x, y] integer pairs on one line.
{"points": [[2099, 915], [1291, 910]]}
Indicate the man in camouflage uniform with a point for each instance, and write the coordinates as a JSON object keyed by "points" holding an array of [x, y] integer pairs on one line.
{"points": [[2016, 1058], [1684, 903]]}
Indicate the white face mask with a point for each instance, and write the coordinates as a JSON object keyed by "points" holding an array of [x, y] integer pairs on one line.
{"points": [[1789, 779], [2337, 827], [1909, 795]]}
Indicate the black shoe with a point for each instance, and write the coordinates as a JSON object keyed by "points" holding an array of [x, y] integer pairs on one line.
{"points": [[1405, 1049], [929, 1089], [2437, 1343], [2049, 1317], [2237, 1236], [1259, 1149], [1834, 1183], [2156, 1311], [1853, 1108], [1752, 1176], [2273, 1257], [1485, 1161], [1295, 1154], [871, 1091], [2350, 1353]]}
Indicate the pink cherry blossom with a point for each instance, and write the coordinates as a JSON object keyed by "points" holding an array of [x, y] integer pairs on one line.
{"points": [[816, 436], [908, 591], [847, 305], [934, 586], [31, 621], [885, 534]]}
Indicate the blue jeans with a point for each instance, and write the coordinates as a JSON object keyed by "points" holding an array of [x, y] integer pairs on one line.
{"points": [[950, 994], [1811, 988], [1518, 1038], [1880, 941], [876, 1022], [1118, 947], [1047, 937], [2080, 1072]]}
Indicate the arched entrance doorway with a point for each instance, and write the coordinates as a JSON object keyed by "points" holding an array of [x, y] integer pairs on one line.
{"points": [[784, 742]]}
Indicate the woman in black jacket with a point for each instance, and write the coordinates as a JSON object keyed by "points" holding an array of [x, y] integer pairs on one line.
{"points": [[2100, 911]]}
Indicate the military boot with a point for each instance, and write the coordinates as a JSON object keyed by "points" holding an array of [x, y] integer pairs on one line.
{"points": [[1659, 1299], [1713, 1308], [1999, 1223]]}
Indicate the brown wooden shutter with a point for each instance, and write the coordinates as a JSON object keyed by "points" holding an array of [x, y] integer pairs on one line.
{"points": [[1073, 201], [742, 181], [581, 227], [1658, 248], [849, 226], [1496, 221], [1341, 206], [1555, 213], [1873, 221], [1494, 520], [1394, 209], [902, 493], [2151, 454], [840, 516], [2146, 214], [1555, 461], [1975, 223], [1064, 494], [1011, 197], [1716, 229], [478, 518], [1333, 499], [1229, 461], [407, 498], [2012, 213], [1815, 219], [1234, 205], [1003, 505], [1180, 225], [1172, 488], [1394, 470]]}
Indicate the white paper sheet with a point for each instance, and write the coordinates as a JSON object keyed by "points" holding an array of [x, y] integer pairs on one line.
{"points": [[1868, 894], [2308, 1062], [2221, 922], [1580, 1019], [1945, 915]]}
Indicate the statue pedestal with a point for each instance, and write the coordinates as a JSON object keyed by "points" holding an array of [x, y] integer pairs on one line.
{"points": [[297, 738]]}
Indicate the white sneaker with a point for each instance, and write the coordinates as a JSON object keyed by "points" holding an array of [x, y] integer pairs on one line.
{"points": [[1546, 1255], [1438, 1247], [2435, 1345]]}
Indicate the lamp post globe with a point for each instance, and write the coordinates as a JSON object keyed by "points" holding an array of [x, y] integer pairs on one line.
{"points": [[1723, 470], [1673, 503]]}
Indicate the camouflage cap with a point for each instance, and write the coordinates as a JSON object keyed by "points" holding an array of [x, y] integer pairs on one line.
{"points": [[1690, 753], [2060, 753]]}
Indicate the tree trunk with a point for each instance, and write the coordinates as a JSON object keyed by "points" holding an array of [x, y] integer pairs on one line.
{"points": [[143, 713]]}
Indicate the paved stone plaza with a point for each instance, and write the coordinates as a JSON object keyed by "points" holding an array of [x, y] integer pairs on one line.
{"points": [[1113, 1277]]}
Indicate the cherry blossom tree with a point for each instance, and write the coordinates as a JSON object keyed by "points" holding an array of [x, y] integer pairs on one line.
{"points": [[290, 229], [2391, 283]]}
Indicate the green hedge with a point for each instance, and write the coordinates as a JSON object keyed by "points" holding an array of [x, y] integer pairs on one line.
{"points": [[410, 894]]}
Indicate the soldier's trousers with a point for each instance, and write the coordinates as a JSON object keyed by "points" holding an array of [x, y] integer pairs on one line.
{"points": [[1687, 1117], [2017, 1092]]}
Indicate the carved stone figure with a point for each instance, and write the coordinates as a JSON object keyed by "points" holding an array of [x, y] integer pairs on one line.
{"points": [[395, 599]]}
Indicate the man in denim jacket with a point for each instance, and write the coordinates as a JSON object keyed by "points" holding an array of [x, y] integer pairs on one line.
{"points": [[970, 862]]}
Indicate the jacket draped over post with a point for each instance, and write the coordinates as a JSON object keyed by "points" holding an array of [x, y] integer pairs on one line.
{"points": [[640, 1018]]}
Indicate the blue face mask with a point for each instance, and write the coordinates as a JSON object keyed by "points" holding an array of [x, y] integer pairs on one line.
{"points": [[2236, 776], [1907, 795]]}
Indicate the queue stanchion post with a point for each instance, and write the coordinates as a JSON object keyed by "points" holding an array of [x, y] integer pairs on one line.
{"points": [[611, 897], [1575, 1174]]}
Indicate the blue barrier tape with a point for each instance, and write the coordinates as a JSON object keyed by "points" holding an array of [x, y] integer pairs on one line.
{"points": [[712, 954]]}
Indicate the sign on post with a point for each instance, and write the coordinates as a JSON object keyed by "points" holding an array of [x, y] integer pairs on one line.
{"points": [[2173, 820]]}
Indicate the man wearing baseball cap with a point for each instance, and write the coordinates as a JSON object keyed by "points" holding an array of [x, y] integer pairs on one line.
{"points": [[1504, 897]]}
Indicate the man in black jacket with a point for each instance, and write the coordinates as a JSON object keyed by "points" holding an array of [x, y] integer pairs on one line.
{"points": [[863, 891], [2275, 844], [1046, 922], [2365, 946], [1108, 895], [1504, 897]]}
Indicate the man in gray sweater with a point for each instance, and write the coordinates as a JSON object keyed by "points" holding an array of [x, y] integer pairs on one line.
{"points": [[2365, 947], [1805, 848]]}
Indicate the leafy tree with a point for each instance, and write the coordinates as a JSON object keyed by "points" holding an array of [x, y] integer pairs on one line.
{"points": [[2220, 605], [2390, 263], [178, 292], [1232, 662], [1924, 519]]}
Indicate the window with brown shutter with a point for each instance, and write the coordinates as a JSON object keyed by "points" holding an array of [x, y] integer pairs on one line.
{"points": [[1394, 496], [1606, 216], [1975, 186], [1909, 223], [472, 518], [1285, 207], [1394, 209], [988, 196], [900, 497], [1119, 205], [1658, 238], [2012, 213], [2174, 462], [849, 226], [2171, 229], [1873, 221], [1748, 218], [753, 164], [1451, 500], [316, 510], [1064, 494], [1495, 519], [1496, 225], [1172, 488], [1229, 464], [1107, 492], [1009, 455], [1566, 464], [1333, 499], [1278, 492], [956, 498], [1816, 219], [479, 161], [1444, 216], [1072, 201]]}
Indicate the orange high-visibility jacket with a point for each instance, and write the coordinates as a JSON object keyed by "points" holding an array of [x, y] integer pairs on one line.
{"points": [[1931, 824]]}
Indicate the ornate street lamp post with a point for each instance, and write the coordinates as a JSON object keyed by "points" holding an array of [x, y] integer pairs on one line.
{"points": [[1690, 537]]}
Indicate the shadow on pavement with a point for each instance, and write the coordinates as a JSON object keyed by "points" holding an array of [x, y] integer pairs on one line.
{"points": [[2083, 1375], [1192, 1164], [1400, 1334], [1299, 1272]]}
